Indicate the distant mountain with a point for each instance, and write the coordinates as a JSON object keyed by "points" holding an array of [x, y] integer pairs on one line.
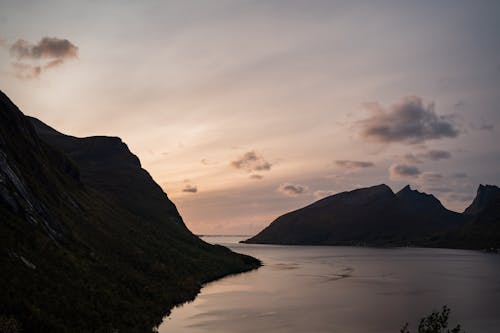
{"points": [[88, 241], [377, 216], [486, 205], [482, 230]]}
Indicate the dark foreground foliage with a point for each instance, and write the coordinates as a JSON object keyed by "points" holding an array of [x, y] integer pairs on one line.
{"points": [[436, 322]]}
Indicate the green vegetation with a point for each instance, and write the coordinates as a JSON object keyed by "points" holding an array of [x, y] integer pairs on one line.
{"points": [[88, 241], [436, 322]]}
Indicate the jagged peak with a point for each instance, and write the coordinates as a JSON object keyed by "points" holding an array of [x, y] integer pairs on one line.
{"points": [[485, 194], [408, 190], [487, 187]]}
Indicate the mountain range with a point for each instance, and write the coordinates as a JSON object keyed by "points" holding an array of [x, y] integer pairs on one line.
{"points": [[377, 216], [88, 241]]}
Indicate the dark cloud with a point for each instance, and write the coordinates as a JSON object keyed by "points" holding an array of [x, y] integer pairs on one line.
{"points": [[46, 48], [409, 121], [33, 59], [353, 164], [292, 190], [190, 188], [256, 176], [436, 155], [251, 161], [403, 171]]}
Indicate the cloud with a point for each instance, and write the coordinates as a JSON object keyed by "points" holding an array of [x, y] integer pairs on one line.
{"points": [[292, 190], [411, 159], [53, 63], [206, 161], [256, 176], [397, 171], [431, 177], [46, 48], [354, 165], [439, 189], [190, 189], [24, 71], [320, 194], [33, 59], [487, 127], [251, 161], [409, 121], [436, 155]]}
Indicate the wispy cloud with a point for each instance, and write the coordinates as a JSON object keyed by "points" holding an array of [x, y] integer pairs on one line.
{"points": [[409, 121], [320, 194], [436, 155], [354, 165], [250, 162], [190, 188], [411, 159], [33, 59], [292, 190], [46, 48], [398, 171], [431, 177], [486, 127]]}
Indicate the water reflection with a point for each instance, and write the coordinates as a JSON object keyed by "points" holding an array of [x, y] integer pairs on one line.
{"points": [[345, 289]]}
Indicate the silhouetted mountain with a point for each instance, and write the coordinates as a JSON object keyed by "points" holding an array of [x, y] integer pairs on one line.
{"points": [[88, 241], [482, 230], [373, 215], [377, 216], [486, 204]]}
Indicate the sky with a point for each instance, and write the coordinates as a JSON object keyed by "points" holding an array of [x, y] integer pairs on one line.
{"points": [[244, 110]]}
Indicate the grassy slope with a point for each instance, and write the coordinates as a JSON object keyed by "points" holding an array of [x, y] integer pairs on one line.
{"points": [[108, 267]]}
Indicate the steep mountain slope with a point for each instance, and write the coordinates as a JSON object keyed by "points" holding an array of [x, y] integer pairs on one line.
{"points": [[373, 215], [88, 241], [486, 205], [482, 231]]}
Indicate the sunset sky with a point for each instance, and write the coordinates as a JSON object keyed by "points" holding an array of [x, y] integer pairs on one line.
{"points": [[244, 110]]}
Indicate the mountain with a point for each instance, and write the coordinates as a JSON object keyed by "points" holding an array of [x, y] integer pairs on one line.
{"points": [[486, 204], [88, 241], [373, 216], [482, 230]]}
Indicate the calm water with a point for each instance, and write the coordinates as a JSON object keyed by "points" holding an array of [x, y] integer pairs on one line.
{"points": [[345, 289]]}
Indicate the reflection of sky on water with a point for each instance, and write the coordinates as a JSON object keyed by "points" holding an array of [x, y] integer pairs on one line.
{"points": [[345, 289]]}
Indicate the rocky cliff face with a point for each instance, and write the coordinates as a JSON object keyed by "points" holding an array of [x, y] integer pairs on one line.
{"points": [[88, 241]]}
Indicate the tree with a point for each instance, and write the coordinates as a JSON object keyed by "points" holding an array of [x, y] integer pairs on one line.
{"points": [[436, 322]]}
